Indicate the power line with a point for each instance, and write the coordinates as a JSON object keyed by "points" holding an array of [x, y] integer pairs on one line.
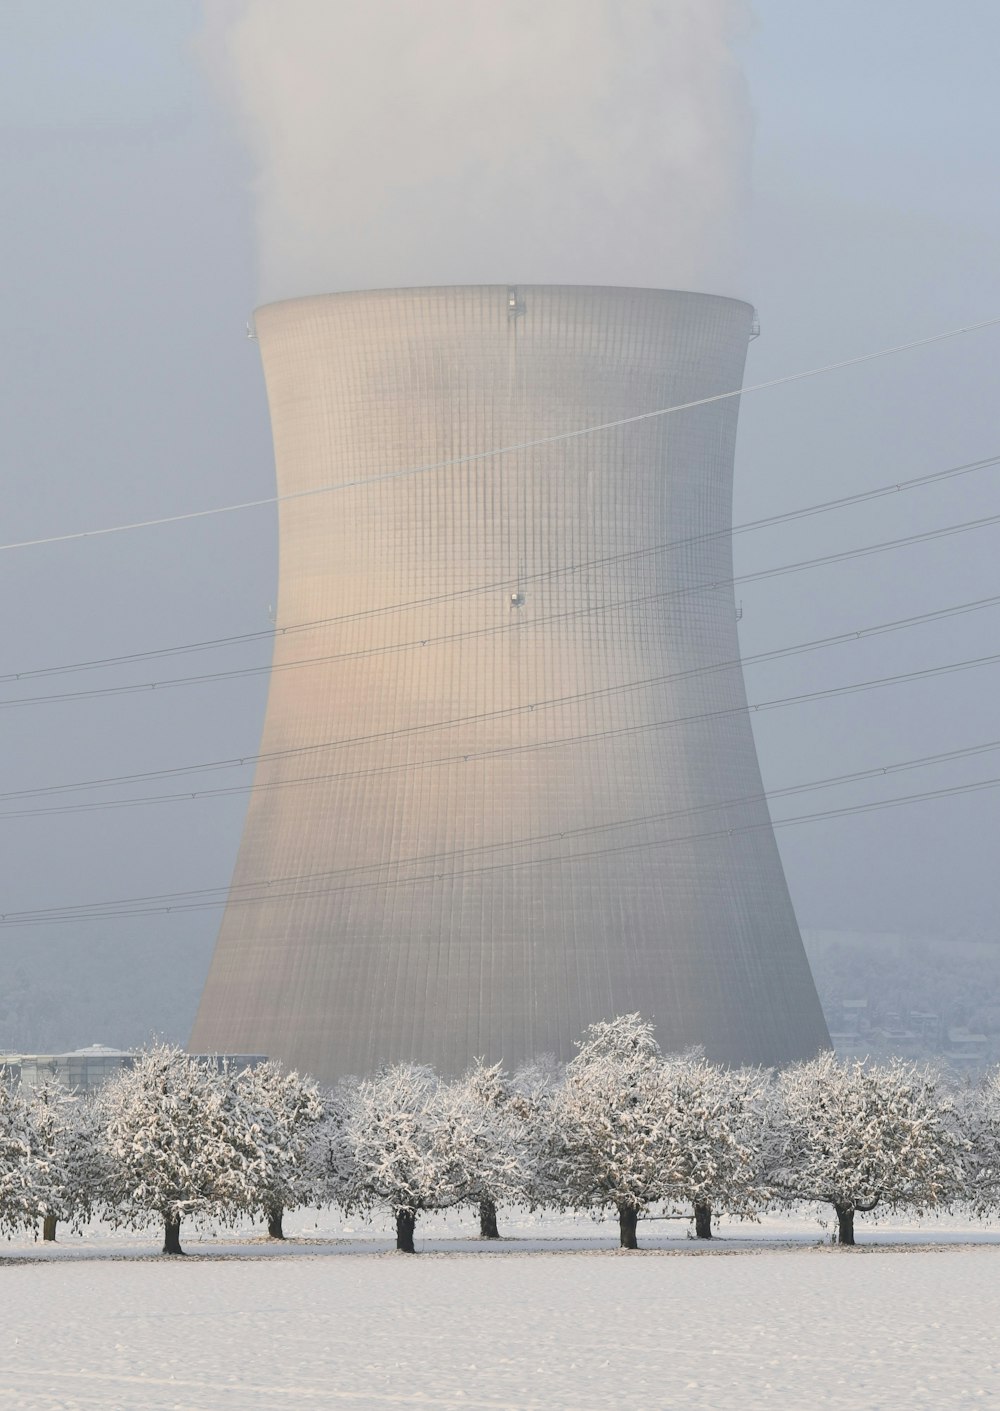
{"points": [[511, 449], [876, 772], [34, 919], [239, 673], [597, 693], [270, 633], [613, 732]]}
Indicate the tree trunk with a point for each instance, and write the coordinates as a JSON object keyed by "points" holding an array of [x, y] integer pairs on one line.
{"points": [[171, 1236], [702, 1220], [49, 1227], [627, 1218], [274, 1215], [845, 1224], [488, 1219], [405, 1222]]}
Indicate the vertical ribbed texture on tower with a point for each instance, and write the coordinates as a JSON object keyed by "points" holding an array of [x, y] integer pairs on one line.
{"points": [[507, 784]]}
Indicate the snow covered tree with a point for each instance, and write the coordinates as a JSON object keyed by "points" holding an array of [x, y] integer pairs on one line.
{"points": [[534, 1088], [333, 1154], [64, 1134], [279, 1115], [609, 1144], [711, 1136], [24, 1170], [858, 1137], [173, 1144], [979, 1106], [503, 1139], [417, 1143]]}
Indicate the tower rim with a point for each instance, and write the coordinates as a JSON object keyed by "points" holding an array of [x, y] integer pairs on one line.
{"points": [[638, 290]]}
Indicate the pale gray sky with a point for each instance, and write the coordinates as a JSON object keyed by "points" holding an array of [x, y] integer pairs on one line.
{"points": [[130, 391]]}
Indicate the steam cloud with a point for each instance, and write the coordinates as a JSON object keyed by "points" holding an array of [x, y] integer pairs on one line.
{"points": [[402, 142]]}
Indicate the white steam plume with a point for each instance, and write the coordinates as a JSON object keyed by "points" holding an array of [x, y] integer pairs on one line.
{"points": [[403, 142]]}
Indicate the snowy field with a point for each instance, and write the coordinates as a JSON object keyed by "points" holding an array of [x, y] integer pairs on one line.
{"points": [[553, 1319]]}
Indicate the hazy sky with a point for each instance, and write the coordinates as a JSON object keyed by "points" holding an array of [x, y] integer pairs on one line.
{"points": [[131, 263]]}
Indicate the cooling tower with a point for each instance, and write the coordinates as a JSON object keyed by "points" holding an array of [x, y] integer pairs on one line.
{"points": [[507, 783]]}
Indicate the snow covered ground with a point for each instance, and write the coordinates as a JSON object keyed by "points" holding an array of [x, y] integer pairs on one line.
{"points": [[553, 1319]]}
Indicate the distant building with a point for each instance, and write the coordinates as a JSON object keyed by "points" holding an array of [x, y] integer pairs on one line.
{"points": [[86, 1069], [927, 1025], [848, 1046], [966, 1049], [854, 1016]]}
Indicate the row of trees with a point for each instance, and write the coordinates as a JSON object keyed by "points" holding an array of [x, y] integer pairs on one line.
{"points": [[622, 1127]]}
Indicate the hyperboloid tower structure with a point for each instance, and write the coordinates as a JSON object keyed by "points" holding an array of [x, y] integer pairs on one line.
{"points": [[507, 783]]}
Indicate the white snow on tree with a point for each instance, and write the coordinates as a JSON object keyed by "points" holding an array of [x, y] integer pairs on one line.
{"points": [[608, 1137], [332, 1154], [175, 1145], [533, 1090], [417, 1143], [25, 1177], [711, 1136], [496, 1106], [280, 1114], [65, 1134], [858, 1137], [979, 1106]]}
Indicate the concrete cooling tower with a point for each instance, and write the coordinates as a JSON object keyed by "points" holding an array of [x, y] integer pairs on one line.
{"points": [[507, 783]]}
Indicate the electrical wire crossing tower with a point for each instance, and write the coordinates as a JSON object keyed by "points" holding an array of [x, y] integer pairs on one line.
{"points": [[507, 783]]}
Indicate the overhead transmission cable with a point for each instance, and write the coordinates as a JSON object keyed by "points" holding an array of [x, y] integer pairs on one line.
{"points": [[27, 918], [596, 693], [12, 919], [415, 644], [585, 830], [270, 633], [514, 449]]}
